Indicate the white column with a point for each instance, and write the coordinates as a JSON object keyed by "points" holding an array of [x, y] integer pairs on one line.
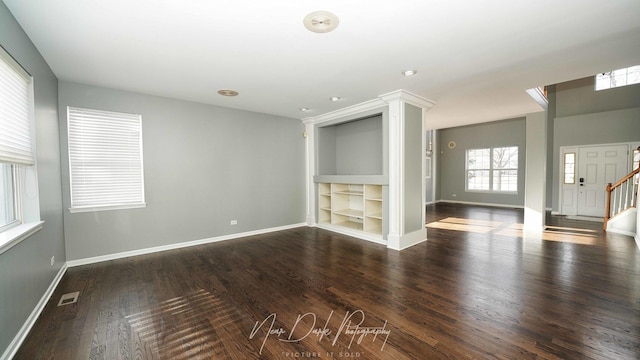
{"points": [[406, 155], [309, 172], [535, 173], [396, 117]]}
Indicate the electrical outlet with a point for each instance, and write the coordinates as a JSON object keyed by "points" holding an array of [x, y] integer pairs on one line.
{"points": [[234, 222], [53, 260], [454, 195]]}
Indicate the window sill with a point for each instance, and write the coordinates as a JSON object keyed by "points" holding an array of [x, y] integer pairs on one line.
{"points": [[106, 208], [493, 192], [16, 234]]}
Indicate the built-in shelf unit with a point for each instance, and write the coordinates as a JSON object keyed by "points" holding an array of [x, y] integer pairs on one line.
{"points": [[351, 175], [366, 160], [351, 206]]}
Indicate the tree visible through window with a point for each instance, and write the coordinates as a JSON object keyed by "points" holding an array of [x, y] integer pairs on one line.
{"points": [[492, 169]]}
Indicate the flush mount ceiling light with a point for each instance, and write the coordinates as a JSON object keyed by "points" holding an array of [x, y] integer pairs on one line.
{"points": [[227, 92], [321, 21], [409, 72], [305, 109], [334, 98]]}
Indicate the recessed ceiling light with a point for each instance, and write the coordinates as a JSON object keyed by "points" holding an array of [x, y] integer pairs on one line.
{"points": [[227, 92], [321, 21], [409, 72], [334, 98], [305, 109]]}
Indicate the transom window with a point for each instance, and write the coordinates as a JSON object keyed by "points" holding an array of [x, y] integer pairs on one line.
{"points": [[492, 169], [617, 78]]}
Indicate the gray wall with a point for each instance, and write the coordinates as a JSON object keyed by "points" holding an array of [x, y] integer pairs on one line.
{"points": [[351, 148], [610, 127], [326, 150], [451, 162], [25, 272], [579, 97], [203, 165], [584, 116], [413, 159]]}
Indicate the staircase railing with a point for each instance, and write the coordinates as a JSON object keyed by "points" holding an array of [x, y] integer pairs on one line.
{"points": [[622, 195]]}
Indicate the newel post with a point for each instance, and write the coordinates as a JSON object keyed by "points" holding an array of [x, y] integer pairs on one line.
{"points": [[607, 211]]}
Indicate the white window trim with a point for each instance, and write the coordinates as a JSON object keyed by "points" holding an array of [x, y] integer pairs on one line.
{"points": [[13, 236], [491, 169], [115, 206], [106, 208], [27, 197]]}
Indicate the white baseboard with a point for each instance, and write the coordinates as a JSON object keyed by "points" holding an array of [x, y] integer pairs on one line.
{"points": [[353, 233], [407, 240], [97, 259], [481, 204], [622, 232], [31, 320]]}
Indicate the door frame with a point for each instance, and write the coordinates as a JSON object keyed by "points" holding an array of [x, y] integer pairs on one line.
{"points": [[573, 210]]}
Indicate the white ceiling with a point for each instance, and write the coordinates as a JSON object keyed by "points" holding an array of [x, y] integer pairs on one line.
{"points": [[475, 59]]}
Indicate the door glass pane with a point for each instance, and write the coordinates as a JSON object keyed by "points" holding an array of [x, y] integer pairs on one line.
{"points": [[570, 168]]}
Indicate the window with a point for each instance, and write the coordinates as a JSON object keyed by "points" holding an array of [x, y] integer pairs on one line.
{"points": [[105, 160], [570, 168], [16, 112], [8, 210], [617, 78], [492, 169]]}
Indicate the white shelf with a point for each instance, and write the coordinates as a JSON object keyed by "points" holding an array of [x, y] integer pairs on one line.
{"points": [[350, 192], [352, 206], [350, 212], [350, 225]]}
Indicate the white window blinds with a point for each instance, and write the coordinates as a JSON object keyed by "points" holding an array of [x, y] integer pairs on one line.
{"points": [[15, 123], [105, 160]]}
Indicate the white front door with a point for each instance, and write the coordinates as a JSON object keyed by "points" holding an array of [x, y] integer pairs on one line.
{"points": [[598, 166]]}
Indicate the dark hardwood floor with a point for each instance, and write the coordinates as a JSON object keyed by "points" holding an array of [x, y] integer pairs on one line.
{"points": [[476, 290]]}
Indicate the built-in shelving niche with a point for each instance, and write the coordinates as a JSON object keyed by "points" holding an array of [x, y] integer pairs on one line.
{"points": [[351, 148], [351, 161], [352, 206]]}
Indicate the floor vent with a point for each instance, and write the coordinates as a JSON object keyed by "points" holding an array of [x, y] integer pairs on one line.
{"points": [[69, 298]]}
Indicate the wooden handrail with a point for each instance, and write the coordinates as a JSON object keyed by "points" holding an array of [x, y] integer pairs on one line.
{"points": [[623, 180]]}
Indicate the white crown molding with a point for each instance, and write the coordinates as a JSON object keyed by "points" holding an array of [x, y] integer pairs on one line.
{"points": [[382, 101], [348, 111], [408, 97]]}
